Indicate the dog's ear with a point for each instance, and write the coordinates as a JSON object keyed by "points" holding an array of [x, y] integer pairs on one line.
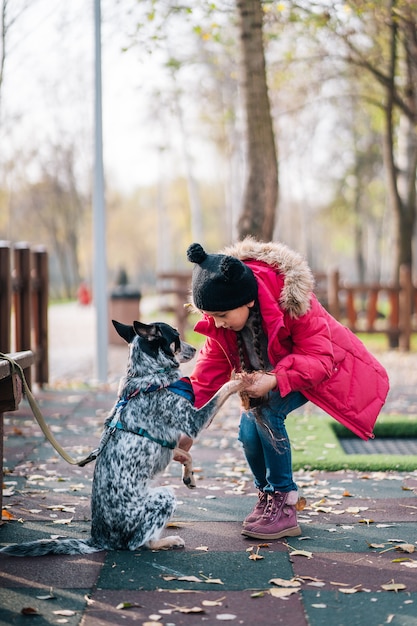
{"points": [[126, 332], [147, 331]]}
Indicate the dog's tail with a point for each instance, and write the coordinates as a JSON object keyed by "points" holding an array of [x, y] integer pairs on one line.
{"points": [[51, 546]]}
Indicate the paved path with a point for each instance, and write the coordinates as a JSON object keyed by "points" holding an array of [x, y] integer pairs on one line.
{"points": [[359, 535]]}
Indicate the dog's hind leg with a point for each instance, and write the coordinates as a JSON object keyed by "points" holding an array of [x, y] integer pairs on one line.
{"points": [[185, 458], [158, 509]]}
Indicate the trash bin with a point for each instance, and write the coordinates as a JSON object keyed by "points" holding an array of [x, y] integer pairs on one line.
{"points": [[124, 306]]}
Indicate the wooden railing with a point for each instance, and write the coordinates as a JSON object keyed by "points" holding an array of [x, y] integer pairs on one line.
{"points": [[24, 304]]}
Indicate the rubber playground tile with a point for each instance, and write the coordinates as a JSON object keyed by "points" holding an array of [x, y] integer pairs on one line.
{"points": [[220, 536], [354, 537], [66, 572], [46, 603], [220, 509], [360, 609], [367, 570], [192, 608], [147, 570]]}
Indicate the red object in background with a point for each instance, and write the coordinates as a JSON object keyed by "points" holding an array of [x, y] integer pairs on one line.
{"points": [[84, 294]]}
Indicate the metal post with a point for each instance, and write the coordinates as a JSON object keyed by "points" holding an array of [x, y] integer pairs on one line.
{"points": [[99, 216]]}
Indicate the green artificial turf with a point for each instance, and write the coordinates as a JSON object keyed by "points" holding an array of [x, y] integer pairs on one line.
{"points": [[316, 445]]}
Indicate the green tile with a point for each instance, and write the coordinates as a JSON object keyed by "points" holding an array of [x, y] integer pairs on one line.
{"points": [[145, 570]]}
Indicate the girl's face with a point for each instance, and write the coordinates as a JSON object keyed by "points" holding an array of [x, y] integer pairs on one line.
{"points": [[235, 319]]}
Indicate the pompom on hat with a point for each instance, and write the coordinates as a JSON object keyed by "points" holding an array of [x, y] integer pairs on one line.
{"points": [[220, 282]]}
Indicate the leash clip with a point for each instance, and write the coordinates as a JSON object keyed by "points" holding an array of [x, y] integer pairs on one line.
{"points": [[91, 457]]}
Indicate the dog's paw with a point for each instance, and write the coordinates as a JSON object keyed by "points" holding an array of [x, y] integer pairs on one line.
{"points": [[189, 480], [173, 542]]}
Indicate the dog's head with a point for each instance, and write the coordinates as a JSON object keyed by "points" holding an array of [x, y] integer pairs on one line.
{"points": [[157, 337]]}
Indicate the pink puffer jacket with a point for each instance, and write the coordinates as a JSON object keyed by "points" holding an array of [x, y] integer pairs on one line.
{"points": [[311, 351]]}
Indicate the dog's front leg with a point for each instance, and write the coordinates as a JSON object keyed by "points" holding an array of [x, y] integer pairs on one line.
{"points": [[184, 457]]}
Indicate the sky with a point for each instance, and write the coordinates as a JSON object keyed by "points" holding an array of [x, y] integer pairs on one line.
{"points": [[48, 89]]}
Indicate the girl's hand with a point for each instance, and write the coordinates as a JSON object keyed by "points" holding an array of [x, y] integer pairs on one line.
{"points": [[260, 383]]}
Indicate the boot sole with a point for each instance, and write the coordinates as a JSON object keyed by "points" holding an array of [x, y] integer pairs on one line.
{"points": [[289, 532]]}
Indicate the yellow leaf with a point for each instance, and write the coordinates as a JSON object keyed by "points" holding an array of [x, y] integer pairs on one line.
{"points": [[281, 592], [393, 587], [406, 547], [190, 579], [213, 602], [283, 582], [308, 555], [350, 590], [126, 605], [255, 557]]}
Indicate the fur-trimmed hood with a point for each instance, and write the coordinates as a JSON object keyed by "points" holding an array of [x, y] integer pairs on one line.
{"points": [[298, 277]]}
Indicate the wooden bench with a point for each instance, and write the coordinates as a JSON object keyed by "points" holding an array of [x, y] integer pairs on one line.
{"points": [[11, 395]]}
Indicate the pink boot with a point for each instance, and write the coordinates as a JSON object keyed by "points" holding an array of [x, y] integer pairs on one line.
{"points": [[279, 519], [258, 510]]}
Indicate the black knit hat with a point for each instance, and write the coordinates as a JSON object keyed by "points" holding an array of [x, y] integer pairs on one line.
{"points": [[220, 282]]}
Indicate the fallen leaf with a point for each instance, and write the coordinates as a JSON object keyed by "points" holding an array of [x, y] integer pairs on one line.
{"points": [[301, 504], [6, 514], [213, 581], [308, 555], [406, 547], [202, 548], [50, 596], [28, 610], [213, 602], [226, 617], [186, 610], [393, 587], [281, 592], [126, 605], [63, 521], [349, 590], [346, 494], [366, 521], [189, 579], [284, 582], [64, 612], [255, 557]]}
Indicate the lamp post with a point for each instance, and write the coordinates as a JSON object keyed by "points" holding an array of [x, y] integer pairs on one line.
{"points": [[99, 213]]}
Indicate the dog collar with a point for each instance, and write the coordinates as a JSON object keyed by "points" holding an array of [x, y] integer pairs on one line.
{"points": [[144, 433]]}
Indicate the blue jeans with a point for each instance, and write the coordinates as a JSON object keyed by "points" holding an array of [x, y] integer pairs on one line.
{"points": [[266, 444]]}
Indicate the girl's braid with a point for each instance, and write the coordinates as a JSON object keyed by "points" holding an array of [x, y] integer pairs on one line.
{"points": [[257, 328]]}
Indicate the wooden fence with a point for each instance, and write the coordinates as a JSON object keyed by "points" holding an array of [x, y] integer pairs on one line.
{"points": [[24, 282], [370, 308]]}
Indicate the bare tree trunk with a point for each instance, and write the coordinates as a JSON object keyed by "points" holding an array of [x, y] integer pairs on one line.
{"points": [[401, 171], [261, 193]]}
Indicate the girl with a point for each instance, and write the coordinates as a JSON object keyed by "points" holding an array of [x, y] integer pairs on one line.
{"points": [[259, 314]]}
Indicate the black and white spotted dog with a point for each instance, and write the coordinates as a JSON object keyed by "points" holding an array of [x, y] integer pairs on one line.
{"points": [[153, 410]]}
